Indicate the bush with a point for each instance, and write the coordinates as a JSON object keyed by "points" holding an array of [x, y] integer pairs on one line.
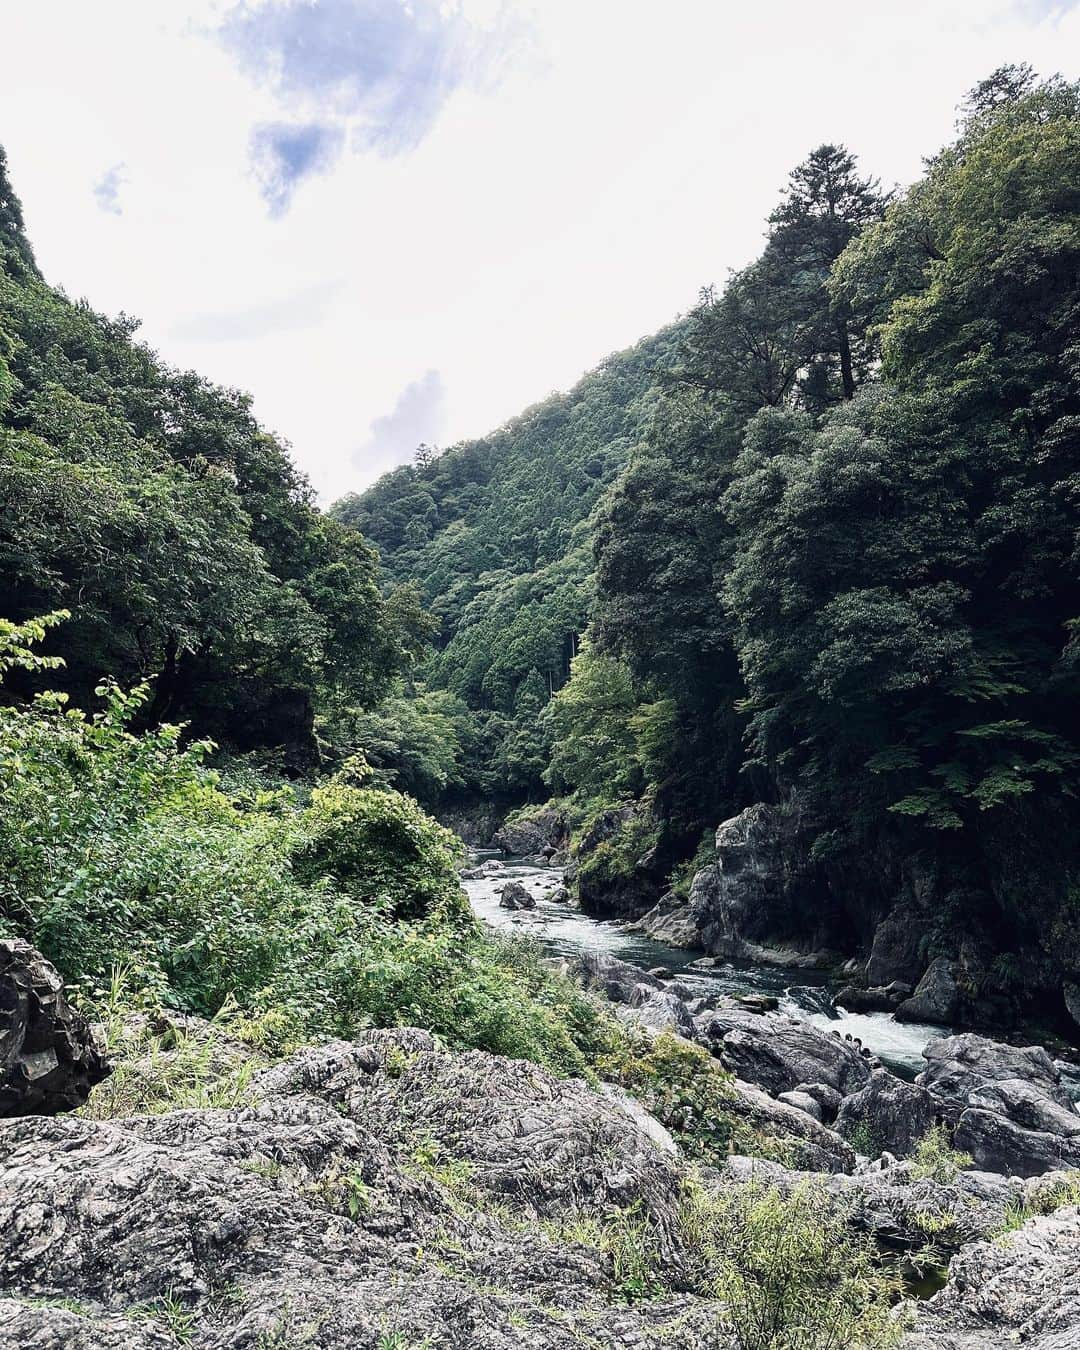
{"points": [[381, 849], [790, 1272], [120, 850], [935, 1159]]}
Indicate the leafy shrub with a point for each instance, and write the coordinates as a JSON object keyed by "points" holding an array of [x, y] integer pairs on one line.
{"points": [[380, 848], [120, 850], [789, 1271], [682, 1085], [935, 1158]]}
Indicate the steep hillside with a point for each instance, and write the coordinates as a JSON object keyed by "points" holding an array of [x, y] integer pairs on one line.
{"points": [[178, 533], [496, 534]]}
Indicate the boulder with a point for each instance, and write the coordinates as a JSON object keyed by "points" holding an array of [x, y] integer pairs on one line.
{"points": [[514, 896], [615, 979], [894, 1204], [1023, 1289], [957, 1065], [49, 1060], [877, 998], [937, 996], [671, 920], [1071, 993], [895, 952], [778, 1052], [811, 1144], [1001, 1145], [1013, 1114], [802, 1101], [826, 1097], [488, 868], [893, 1113], [661, 1010], [1027, 1104], [560, 896]]}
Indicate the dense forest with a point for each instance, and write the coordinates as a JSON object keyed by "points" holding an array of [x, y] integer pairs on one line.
{"points": [[178, 533], [814, 546]]}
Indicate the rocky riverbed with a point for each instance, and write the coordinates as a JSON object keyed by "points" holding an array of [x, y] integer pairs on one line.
{"points": [[387, 1194]]}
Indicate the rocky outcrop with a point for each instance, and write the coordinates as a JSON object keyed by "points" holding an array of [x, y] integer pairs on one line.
{"points": [[514, 896], [671, 920], [490, 867], [1011, 1112], [889, 1113], [1023, 1289], [897, 1205], [804, 1139], [958, 1065], [616, 868], [780, 1053], [376, 1192], [762, 890], [937, 997], [49, 1060], [536, 833], [895, 953]]}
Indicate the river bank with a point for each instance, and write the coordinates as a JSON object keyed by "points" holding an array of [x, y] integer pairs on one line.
{"points": [[565, 931]]}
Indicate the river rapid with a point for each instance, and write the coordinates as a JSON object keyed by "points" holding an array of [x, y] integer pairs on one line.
{"points": [[564, 931]]}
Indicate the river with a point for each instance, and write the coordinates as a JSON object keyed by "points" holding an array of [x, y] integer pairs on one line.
{"points": [[564, 931]]}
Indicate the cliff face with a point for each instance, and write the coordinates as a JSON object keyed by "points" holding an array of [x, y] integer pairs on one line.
{"points": [[972, 946]]}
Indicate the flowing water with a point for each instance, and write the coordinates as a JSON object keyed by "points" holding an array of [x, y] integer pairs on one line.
{"points": [[564, 931]]}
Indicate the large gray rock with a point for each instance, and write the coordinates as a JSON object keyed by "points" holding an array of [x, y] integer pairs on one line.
{"points": [[779, 1053], [936, 998], [660, 1010], [763, 892], [1001, 1145], [899, 1208], [1071, 993], [896, 950], [1022, 1289], [542, 832], [514, 896], [49, 1060], [957, 1065], [894, 1114], [671, 920], [1013, 1114], [607, 975], [377, 1190], [809, 1143]]}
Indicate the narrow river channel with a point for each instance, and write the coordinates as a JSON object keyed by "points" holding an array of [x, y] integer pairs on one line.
{"points": [[564, 931]]}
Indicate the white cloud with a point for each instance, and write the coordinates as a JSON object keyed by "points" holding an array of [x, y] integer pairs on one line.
{"points": [[545, 202], [416, 418], [107, 190]]}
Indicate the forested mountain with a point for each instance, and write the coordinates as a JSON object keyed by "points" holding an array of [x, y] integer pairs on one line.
{"points": [[177, 532], [838, 571], [495, 532]]}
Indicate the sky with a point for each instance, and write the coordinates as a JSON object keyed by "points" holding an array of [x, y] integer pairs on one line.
{"points": [[395, 221]]}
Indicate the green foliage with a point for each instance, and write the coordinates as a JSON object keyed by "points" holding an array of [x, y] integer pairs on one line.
{"points": [[683, 1086], [495, 533], [791, 1273], [935, 1158], [186, 546], [1054, 1192], [120, 851], [380, 849]]}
